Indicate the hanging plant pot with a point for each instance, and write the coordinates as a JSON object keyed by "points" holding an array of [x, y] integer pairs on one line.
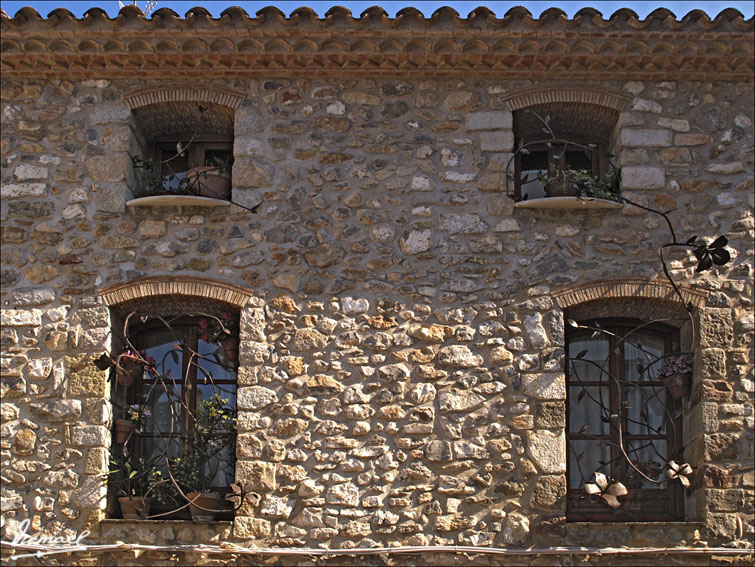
{"points": [[231, 349], [128, 369], [678, 385], [203, 505], [122, 429], [134, 507]]}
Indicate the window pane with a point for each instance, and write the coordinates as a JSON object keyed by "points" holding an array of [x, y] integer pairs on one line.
{"points": [[646, 411], [213, 363], [642, 353], [156, 449], [586, 458], [159, 403], [579, 159], [585, 410], [165, 349], [649, 456], [533, 165], [593, 366]]}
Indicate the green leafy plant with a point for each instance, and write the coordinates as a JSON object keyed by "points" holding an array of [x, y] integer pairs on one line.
{"points": [[137, 477], [583, 184], [200, 456]]}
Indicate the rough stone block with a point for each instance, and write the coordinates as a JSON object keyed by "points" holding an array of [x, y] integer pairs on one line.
{"points": [[497, 120], [643, 177], [21, 317], [716, 327], [548, 450], [497, 141], [260, 475], [90, 436], [646, 137], [15, 190], [729, 168], [545, 386]]}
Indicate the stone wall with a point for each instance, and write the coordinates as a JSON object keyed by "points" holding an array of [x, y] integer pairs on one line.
{"points": [[402, 362]]}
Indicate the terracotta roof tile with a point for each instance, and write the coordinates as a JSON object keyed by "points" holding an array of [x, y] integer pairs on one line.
{"points": [[271, 44]]}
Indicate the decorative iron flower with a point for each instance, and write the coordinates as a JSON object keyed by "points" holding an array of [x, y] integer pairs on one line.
{"points": [[675, 470], [608, 492]]}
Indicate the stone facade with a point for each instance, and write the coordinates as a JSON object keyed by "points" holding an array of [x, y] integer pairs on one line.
{"points": [[401, 377]]}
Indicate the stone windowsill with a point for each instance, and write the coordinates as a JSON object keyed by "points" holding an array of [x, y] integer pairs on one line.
{"points": [[121, 521], [562, 203], [177, 201], [166, 531], [645, 533]]}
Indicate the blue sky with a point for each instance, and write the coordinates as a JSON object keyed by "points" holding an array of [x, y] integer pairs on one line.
{"points": [[536, 7]]}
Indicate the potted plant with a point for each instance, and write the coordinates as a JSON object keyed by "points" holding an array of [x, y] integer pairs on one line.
{"points": [[123, 428], [204, 181], [223, 331], [559, 182], [205, 454], [128, 367], [138, 483], [676, 373]]}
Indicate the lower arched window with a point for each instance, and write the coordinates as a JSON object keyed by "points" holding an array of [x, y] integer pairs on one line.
{"points": [[175, 391], [624, 420]]}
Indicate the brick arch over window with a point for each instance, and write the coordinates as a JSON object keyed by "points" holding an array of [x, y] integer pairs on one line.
{"points": [[643, 298], [614, 100], [182, 92], [175, 295]]}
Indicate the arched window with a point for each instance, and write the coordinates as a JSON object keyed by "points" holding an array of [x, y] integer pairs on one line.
{"points": [[176, 345], [184, 140], [629, 348], [623, 422], [563, 140]]}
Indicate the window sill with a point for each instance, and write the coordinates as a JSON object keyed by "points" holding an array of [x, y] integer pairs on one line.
{"points": [[122, 522], [562, 203], [640, 532], [177, 201]]}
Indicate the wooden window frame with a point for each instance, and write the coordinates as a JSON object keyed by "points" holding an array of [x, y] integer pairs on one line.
{"points": [[599, 160], [163, 148], [641, 504], [187, 336]]}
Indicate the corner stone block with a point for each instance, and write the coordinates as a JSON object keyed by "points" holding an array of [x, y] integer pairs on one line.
{"points": [[90, 436], [260, 475], [251, 352], [255, 397], [112, 168], [545, 386], [548, 450], [646, 137], [497, 141], [716, 327], [501, 120], [245, 527], [640, 177]]}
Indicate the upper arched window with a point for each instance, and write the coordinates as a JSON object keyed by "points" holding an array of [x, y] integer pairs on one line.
{"points": [[563, 143], [184, 141]]}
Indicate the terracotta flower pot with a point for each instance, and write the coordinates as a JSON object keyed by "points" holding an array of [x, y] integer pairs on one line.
{"points": [[559, 187], [127, 370], [203, 505], [678, 385], [210, 182], [231, 348], [134, 507], [122, 429]]}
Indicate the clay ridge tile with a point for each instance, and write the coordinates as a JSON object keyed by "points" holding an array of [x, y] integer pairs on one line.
{"points": [[658, 19]]}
